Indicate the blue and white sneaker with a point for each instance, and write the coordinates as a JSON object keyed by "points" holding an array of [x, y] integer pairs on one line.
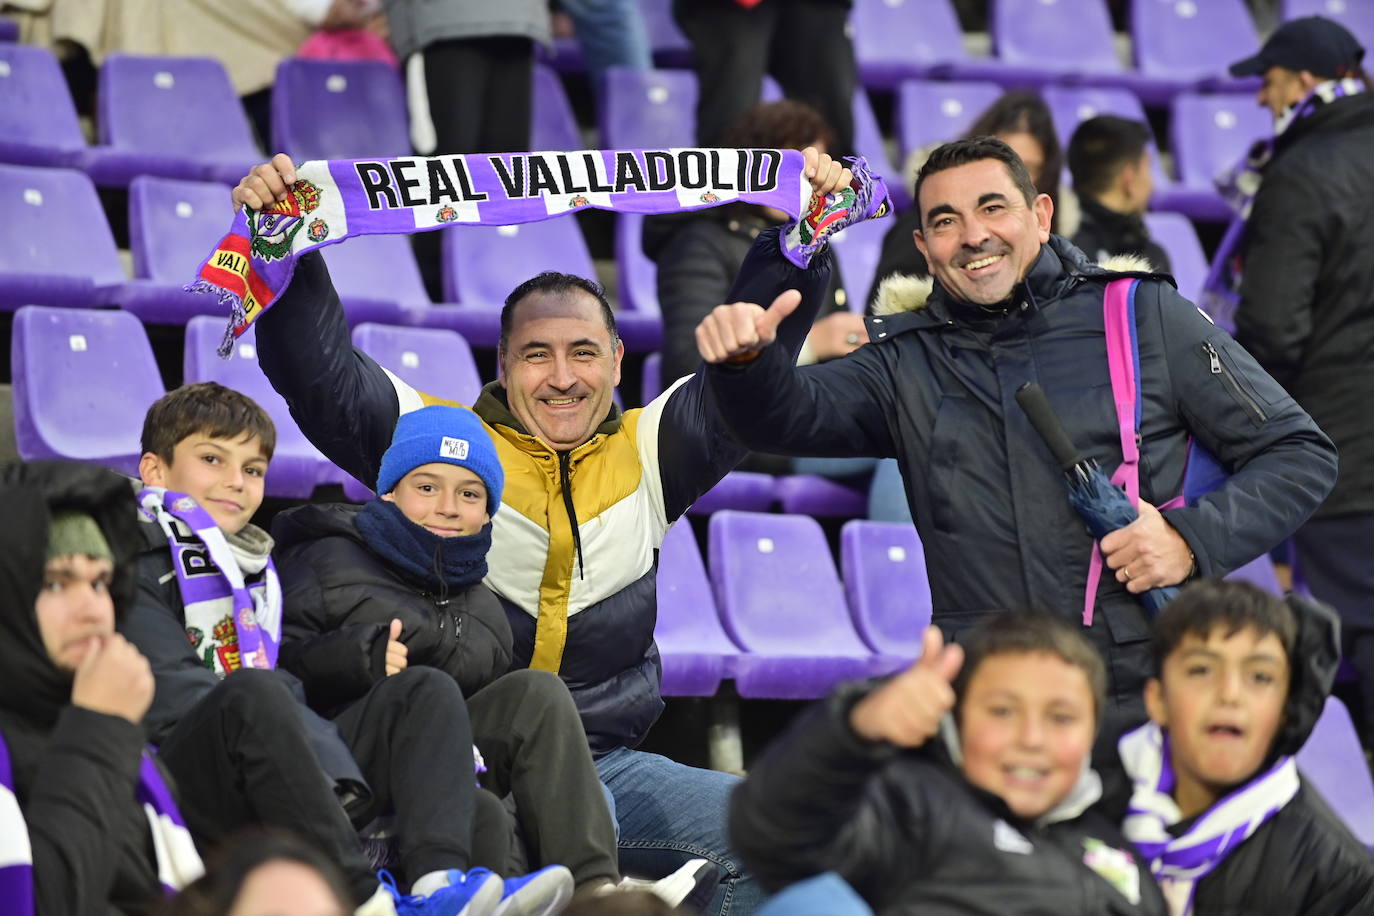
{"points": [[540, 893], [476, 892]]}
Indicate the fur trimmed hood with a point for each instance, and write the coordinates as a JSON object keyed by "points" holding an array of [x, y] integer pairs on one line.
{"points": [[908, 292]]}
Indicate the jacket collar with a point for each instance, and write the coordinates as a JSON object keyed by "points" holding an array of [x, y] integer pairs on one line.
{"points": [[1341, 114]]}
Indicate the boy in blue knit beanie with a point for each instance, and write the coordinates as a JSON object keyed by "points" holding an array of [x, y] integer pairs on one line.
{"points": [[396, 584]]}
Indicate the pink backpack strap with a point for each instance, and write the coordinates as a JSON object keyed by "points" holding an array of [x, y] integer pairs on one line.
{"points": [[1118, 321]]}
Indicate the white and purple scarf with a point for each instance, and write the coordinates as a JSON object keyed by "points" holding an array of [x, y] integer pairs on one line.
{"points": [[1179, 862], [178, 863], [337, 199], [1221, 289], [232, 622]]}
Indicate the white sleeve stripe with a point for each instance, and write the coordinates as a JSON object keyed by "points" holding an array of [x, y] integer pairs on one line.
{"points": [[647, 443], [407, 398]]}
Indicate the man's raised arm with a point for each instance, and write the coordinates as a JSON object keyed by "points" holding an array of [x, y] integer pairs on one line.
{"points": [[342, 400]]}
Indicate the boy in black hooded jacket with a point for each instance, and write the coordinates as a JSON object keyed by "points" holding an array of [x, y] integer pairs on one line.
{"points": [[1208, 790]]}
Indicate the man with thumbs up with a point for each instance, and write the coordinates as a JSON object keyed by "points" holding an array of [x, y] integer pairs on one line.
{"points": [[1009, 303], [961, 784]]}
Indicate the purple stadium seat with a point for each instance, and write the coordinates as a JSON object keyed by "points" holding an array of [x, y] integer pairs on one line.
{"points": [[638, 274], [55, 245], [38, 123], [83, 379], [297, 466], [1175, 234], [930, 112], [377, 279], [667, 43], [807, 494], [1259, 572], [896, 40], [1333, 763], [433, 360], [173, 225], [868, 142], [884, 570], [330, 109], [9, 30], [857, 252], [1183, 44], [781, 601], [552, 125], [1210, 134], [1063, 38], [648, 109], [696, 652], [177, 117], [744, 491], [1356, 15], [482, 264], [651, 376]]}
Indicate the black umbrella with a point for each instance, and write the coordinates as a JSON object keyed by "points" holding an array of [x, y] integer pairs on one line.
{"points": [[1102, 504]]}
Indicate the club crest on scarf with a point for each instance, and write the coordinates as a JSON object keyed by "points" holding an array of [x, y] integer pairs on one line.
{"points": [[272, 229]]}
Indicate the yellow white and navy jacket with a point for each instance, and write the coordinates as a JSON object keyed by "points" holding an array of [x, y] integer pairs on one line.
{"points": [[575, 545]]}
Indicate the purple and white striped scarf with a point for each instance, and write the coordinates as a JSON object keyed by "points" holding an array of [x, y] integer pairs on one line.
{"points": [[1179, 862], [1221, 289], [178, 863], [232, 623], [337, 199]]}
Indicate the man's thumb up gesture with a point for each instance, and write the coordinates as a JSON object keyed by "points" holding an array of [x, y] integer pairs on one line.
{"points": [[738, 332], [907, 710]]}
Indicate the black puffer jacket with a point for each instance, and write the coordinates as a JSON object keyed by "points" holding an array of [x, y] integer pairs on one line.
{"points": [[914, 837], [936, 390], [340, 598], [1104, 233], [1307, 289], [75, 770]]}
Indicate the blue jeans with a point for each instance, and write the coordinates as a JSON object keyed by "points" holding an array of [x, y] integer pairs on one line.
{"points": [[668, 813], [823, 895], [611, 33]]}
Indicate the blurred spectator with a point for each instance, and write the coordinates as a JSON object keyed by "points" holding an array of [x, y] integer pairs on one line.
{"points": [[630, 903], [804, 44], [1019, 119], [1306, 294], [699, 254], [1109, 158], [478, 76], [611, 33], [265, 873]]}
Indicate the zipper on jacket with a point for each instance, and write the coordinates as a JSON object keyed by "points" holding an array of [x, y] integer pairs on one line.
{"points": [[565, 481], [441, 600], [1219, 368]]}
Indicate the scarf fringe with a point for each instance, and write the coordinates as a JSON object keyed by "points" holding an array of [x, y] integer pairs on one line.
{"points": [[237, 314]]}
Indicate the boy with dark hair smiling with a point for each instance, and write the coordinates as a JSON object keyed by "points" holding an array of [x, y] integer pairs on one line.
{"points": [[1210, 791], [208, 616]]}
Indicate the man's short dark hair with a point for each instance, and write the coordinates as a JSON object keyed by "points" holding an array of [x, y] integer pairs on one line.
{"points": [[553, 283], [1032, 632], [1218, 605], [785, 124], [976, 149], [210, 409], [1101, 147]]}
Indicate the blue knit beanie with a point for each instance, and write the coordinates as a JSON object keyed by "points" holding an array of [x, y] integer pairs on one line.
{"points": [[451, 435]]}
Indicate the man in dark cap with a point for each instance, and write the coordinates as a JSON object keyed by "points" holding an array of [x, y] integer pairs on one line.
{"points": [[1301, 276]]}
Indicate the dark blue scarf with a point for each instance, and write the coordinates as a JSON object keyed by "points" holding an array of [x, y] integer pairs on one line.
{"points": [[434, 562]]}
